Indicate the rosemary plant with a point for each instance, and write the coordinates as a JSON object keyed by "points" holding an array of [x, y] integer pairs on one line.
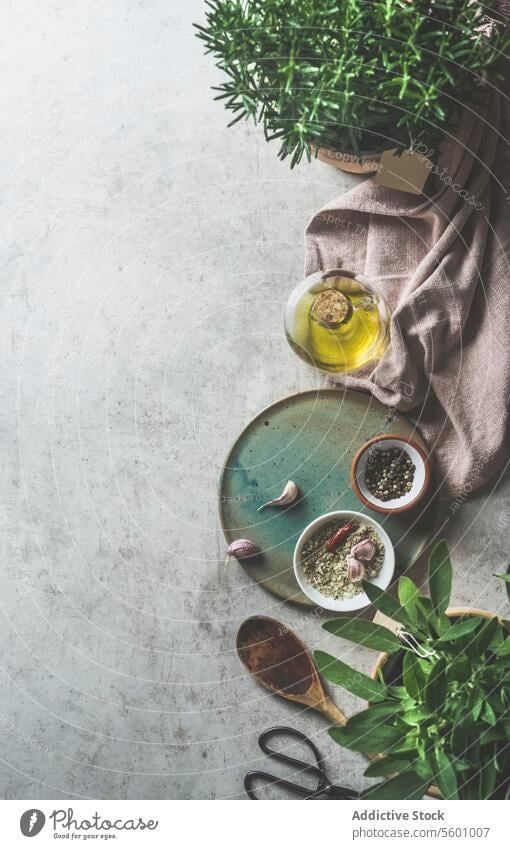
{"points": [[352, 75], [440, 708]]}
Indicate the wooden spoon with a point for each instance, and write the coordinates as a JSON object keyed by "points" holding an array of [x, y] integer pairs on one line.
{"points": [[279, 661]]}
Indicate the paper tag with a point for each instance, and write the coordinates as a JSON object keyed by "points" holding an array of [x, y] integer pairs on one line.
{"points": [[406, 173], [386, 622]]}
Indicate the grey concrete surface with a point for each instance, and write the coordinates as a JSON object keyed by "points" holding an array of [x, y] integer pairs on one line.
{"points": [[146, 255]]}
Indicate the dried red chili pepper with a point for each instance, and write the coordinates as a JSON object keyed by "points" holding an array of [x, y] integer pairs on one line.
{"points": [[337, 538]]}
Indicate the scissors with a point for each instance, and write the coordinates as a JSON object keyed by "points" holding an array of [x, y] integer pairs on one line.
{"points": [[324, 786]]}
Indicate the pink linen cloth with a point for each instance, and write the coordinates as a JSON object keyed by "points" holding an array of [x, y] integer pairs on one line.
{"points": [[441, 259]]}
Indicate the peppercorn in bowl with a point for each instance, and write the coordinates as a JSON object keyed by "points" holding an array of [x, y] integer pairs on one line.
{"points": [[336, 553], [390, 474]]}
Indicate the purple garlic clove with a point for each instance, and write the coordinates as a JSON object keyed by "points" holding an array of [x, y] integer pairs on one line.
{"points": [[355, 569], [241, 549], [364, 550], [288, 496]]}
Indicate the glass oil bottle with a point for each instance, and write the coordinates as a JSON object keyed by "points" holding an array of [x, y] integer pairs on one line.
{"points": [[337, 321]]}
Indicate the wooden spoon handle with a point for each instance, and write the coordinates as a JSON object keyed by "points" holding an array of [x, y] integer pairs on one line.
{"points": [[331, 711]]}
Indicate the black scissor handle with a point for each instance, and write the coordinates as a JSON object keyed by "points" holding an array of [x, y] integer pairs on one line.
{"points": [[324, 788], [303, 792], [281, 730]]}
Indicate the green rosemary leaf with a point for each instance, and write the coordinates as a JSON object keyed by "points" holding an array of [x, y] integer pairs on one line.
{"points": [[370, 75]]}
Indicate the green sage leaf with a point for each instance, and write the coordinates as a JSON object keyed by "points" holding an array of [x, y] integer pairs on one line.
{"points": [[493, 735], [389, 765], [414, 677], [380, 712], [476, 710], [460, 628], [465, 737], [416, 716], [409, 596], [486, 636], [471, 788], [488, 778], [364, 633], [488, 714], [440, 577], [504, 648], [385, 602], [459, 669], [350, 679], [506, 577], [444, 775], [437, 686], [407, 785], [377, 738]]}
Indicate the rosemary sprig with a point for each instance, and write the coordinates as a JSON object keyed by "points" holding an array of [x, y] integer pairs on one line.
{"points": [[352, 75]]}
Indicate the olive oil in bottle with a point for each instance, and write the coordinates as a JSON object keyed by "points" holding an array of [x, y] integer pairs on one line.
{"points": [[337, 322]]}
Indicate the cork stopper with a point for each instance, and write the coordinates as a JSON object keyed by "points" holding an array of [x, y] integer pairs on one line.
{"points": [[331, 307]]}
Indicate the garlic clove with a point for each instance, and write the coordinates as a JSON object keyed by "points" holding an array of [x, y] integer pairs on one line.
{"points": [[355, 569], [241, 549], [364, 550], [288, 496]]}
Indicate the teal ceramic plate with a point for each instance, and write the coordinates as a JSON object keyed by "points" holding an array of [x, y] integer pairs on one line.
{"points": [[310, 438]]}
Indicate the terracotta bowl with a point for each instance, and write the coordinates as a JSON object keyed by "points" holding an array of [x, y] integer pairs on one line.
{"points": [[421, 479]]}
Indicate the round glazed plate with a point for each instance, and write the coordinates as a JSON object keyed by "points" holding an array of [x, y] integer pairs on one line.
{"points": [[310, 438]]}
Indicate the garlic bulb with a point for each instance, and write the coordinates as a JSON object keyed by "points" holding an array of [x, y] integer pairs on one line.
{"points": [[289, 494], [355, 569], [364, 550], [240, 549]]}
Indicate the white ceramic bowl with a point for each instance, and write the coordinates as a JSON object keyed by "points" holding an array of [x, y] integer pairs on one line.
{"points": [[421, 478], [360, 600]]}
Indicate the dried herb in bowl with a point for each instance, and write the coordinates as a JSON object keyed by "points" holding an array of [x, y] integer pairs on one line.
{"points": [[338, 573]]}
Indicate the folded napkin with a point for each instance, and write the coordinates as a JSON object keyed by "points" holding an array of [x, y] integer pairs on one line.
{"points": [[441, 259]]}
